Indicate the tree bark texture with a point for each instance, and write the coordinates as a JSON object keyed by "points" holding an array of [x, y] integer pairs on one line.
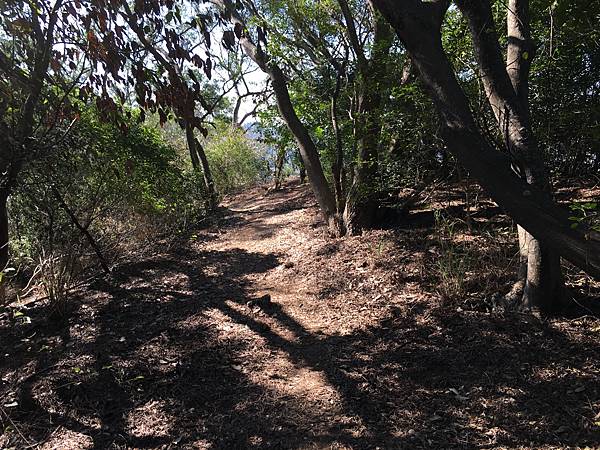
{"points": [[200, 164], [418, 26], [506, 85], [539, 265], [337, 166]]}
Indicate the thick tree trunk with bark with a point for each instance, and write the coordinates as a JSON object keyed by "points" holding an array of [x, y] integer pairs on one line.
{"points": [[506, 86], [539, 273], [519, 51], [200, 164], [418, 26]]}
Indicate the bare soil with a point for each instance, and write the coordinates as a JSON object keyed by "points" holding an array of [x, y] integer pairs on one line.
{"points": [[378, 341]]}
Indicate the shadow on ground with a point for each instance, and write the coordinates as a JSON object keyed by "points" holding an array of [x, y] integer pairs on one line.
{"points": [[169, 355]]}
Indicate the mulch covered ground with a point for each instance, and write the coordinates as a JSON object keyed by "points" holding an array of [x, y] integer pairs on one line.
{"points": [[392, 339]]}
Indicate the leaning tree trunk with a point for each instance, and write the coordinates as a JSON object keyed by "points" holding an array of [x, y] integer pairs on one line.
{"points": [[200, 164], [418, 26], [308, 151], [307, 147], [506, 86]]}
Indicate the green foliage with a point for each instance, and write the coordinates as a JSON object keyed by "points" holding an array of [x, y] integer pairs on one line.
{"points": [[415, 149], [277, 137], [564, 88], [585, 213], [123, 188], [236, 160]]}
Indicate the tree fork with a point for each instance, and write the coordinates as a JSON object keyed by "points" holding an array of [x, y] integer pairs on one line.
{"points": [[506, 85], [540, 272], [418, 26]]}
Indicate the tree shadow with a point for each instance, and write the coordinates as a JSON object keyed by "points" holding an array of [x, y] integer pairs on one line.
{"points": [[168, 354]]}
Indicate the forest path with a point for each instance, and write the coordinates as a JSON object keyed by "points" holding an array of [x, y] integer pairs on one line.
{"points": [[354, 351], [281, 227]]}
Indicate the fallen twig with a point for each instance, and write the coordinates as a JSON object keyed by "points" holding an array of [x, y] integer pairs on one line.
{"points": [[17, 428]]}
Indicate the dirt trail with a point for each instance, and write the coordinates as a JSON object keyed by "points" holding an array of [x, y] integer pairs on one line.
{"points": [[354, 351], [282, 224]]}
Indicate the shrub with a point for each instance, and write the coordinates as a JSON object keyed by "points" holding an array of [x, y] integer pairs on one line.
{"points": [[116, 189], [236, 160]]}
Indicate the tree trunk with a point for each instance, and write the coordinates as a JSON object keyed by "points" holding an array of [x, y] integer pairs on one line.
{"points": [[278, 175], [362, 201], [539, 266], [418, 26], [200, 163], [519, 51], [506, 86], [302, 174], [308, 150], [338, 162], [208, 179], [189, 134], [540, 272]]}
